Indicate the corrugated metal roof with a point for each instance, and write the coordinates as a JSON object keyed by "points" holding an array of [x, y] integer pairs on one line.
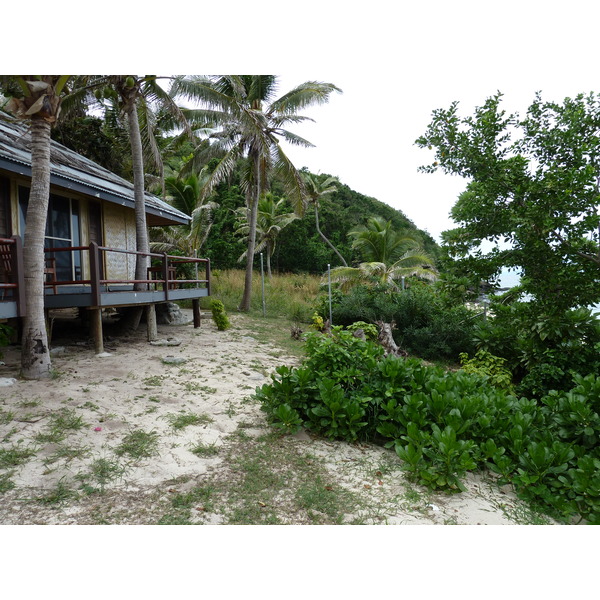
{"points": [[75, 172]]}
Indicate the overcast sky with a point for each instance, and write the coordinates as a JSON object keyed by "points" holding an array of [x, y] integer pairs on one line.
{"points": [[395, 62]]}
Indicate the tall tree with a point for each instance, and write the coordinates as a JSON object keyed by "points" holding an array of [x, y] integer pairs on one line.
{"points": [[532, 194], [388, 257], [316, 188], [37, 99], [270, 222], [250, 120]]}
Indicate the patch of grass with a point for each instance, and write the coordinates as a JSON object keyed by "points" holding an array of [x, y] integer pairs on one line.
{"points": [[102, 471], [153, 381], [270, 481], [204, 450], [6, 483], [181, 421], [322, 499], [199, 498], [14, 456], [67, 453], [60, 495], [59, 425], [28, 403], [6, 416], [138, 444]]}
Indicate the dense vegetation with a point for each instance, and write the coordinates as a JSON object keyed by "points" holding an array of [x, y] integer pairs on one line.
{"points": [[525, 401], [443, 424]]}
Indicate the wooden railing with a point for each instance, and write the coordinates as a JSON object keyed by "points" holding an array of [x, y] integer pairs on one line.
{"points": [[164, 267]]}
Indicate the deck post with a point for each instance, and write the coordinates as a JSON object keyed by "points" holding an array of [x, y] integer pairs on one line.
{"points": [[196, 312], [165, 275], [151, 329], [95, 273], [96, 329]]}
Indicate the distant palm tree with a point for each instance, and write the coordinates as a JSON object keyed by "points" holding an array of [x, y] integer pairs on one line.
{"points": [[248, 120], [388, 257], [315, 190], [185, 194], [269, 224]]}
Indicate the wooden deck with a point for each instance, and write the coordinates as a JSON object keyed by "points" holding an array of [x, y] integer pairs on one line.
{"points": [[164, 282]]}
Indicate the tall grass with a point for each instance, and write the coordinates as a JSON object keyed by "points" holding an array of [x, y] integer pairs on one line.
{"points": [[286, 295]]}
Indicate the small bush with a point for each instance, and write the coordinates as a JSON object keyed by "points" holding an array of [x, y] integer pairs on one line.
{"points": [[219, 315]]}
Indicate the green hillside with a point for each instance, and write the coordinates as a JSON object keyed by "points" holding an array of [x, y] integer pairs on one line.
{"points": [[299, 247]]}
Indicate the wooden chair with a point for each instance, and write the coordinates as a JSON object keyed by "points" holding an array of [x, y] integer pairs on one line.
{"points": [[5, 266], [6, 275], [50, 272]]}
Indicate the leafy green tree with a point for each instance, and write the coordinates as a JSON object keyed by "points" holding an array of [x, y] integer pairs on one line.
{"points": [[271, 220], [531, 198], [249, 120], [317, 188], [388, 257], [37, 99]]}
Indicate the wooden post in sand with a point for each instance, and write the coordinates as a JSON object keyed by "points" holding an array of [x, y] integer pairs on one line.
{"points": [[96, 329], [96, 309], [196, 312]]}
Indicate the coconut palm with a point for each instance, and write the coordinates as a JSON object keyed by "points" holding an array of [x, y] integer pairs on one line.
{"points": [[315, 190], [185, 194], [269, 224], [388, 257], [37, 99], [137, 97], [249, 120]]}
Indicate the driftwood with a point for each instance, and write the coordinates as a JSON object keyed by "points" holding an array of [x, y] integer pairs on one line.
{"points": [[387, 341]]}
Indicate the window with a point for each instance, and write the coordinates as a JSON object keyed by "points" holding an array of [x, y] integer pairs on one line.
{"points": [[5, 229], [62, 231]]}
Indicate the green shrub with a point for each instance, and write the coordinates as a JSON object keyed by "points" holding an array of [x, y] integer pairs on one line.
{"points": [[219, 315], [443, 424], [490, 366], [426, 325], [369, 330], [542, 350]]}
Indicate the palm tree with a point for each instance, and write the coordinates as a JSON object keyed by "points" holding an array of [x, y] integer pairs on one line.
{"points": [[316, 189], [136, 97], [249, 122], [185, 194], [269, 224], [388, 255], [36, 98]]}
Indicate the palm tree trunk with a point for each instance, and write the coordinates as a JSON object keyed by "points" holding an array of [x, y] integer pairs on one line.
{"points": [[35, 353], [252, 218], [325, 239], [141, 231]]}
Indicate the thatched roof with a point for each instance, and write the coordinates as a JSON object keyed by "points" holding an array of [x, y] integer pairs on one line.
{"points": [[72, 171]]}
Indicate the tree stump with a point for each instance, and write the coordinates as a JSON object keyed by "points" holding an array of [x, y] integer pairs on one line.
{"points": [[387, 340]]}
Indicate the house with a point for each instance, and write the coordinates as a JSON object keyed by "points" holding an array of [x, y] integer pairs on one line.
{"points": [[90, 238]]}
